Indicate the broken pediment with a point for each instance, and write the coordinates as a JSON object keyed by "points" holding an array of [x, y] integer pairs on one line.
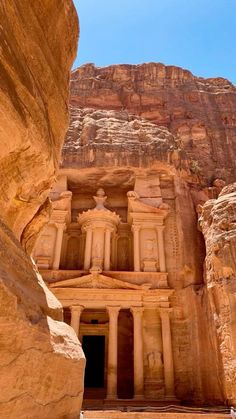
{"points": [[97, 280], [145, 205]]}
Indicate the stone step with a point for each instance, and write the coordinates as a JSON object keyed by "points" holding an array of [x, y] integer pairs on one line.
{"points": [[102, 414]]}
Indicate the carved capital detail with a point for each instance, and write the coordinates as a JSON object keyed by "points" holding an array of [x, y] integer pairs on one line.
{"points": [[137, 311], [113, 311], [76, 309], [165, 312], [136, 227]]}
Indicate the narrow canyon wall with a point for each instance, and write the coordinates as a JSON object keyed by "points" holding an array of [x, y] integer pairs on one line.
{"points": [[157, 120], [218, 223], [38, 44], [41, 361]]}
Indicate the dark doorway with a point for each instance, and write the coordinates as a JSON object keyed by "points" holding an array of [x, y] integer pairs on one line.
{"points": [[94, 350]]}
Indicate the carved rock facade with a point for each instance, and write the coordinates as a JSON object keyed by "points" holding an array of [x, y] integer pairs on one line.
{"points": [[133, 272]]}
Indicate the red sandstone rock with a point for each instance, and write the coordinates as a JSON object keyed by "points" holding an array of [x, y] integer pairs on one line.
{"points": [[199, 112], [107, 138], [218, 224], [35, 57], [192, 151], [41, 361]]}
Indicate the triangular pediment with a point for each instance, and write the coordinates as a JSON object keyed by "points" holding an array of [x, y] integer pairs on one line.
{"points": [[97, 280]]}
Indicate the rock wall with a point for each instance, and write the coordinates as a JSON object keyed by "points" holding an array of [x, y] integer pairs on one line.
{"points": [[157, 120], [218, 223], [35, 61], [200, 112], [38, 353]]}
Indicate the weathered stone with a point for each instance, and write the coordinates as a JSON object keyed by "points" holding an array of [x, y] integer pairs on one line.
{"points": [[200, 112], [217, 221], [35, 59], [101, 138], [140, 133], [41, 360]]}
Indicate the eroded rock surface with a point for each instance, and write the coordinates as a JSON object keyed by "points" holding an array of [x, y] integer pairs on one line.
{"points": [[35, 59], [41, 361], [101, 137], [218, 223], [200, 112]]}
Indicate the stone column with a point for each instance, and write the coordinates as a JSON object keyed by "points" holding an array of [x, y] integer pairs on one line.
{"points": [[138, 352], [112, 352], [75, 317], [88, 246], [57, 252], [167, 352], [152, 341], [107, 255], [136, 229], [161, 248]]}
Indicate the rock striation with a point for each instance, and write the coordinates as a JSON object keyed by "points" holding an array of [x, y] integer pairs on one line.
{"points": [[38, 352], [199, 112], [34, 79], [101, 137], [218, 223]]}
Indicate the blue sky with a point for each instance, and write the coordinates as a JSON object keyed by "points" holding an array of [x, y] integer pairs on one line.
{"points": [[199, 35]]}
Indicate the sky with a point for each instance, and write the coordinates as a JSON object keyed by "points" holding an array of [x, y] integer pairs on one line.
{"points": [[199, 35]]}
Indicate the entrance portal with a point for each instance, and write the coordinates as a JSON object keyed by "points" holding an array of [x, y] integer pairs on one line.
{"points": [[94, 350]]}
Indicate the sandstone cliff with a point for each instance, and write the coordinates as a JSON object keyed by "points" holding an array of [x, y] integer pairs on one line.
{"points": [[38, 352], [162, 121], [35, 60], [199, 112], [101, 138]]}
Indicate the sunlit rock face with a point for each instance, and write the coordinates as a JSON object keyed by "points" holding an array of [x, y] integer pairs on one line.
{"points": [[200, 112], [101, 137], [35, 58], [38, 352]]}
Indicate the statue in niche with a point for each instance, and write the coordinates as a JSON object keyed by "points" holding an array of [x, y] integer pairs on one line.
{"points": [[149, 247], [100, 199], [97, 259], [97, 250], [155, 364]]}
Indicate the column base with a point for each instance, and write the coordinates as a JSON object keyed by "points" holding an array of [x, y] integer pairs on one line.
{"points": [[138, 397], [111, 397]]}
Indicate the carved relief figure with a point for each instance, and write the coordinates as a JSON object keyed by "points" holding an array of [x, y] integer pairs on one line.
{"points": [[97, 250], [149, 247], [155, 364]]}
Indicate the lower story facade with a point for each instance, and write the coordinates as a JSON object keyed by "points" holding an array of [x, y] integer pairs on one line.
{"points": [[124, 325]]}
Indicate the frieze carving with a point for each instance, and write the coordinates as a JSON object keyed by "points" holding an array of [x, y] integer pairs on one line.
{"points": [[96, 280]]}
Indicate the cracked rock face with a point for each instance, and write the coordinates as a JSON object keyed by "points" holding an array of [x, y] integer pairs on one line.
{"points": [[38, 352], [199, 112], [218, 223], [115, 138]]}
